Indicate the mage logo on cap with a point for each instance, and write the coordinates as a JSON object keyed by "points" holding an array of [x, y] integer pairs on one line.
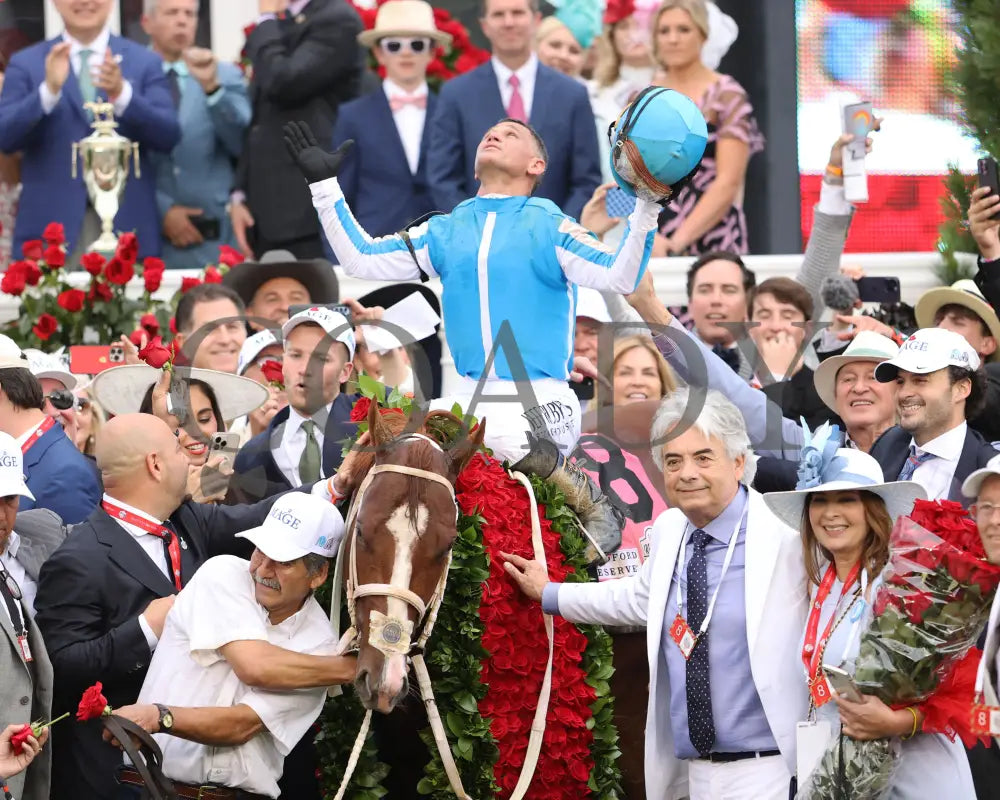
{"points": [[914, 344], [10, 460], [285, 517]]}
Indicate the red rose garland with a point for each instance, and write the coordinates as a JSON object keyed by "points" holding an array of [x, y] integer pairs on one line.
{"points": [[515, 638]]}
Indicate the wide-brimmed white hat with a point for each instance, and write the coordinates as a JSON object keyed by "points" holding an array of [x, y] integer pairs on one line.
{"points": [[929, 350], [963, 293], [832, 469], [866, 346], [50, 365], [404, 18], [12, 468], [120, 390], [298, 524]]}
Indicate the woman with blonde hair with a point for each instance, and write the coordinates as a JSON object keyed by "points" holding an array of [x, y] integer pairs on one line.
{"points": [[708, 213], [563, 40]]}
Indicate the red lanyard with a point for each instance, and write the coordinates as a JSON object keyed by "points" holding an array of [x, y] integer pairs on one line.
{"points": [[39, 432], [159, 531], [812, 651]]}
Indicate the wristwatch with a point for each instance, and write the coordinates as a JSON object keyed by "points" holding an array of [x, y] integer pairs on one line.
{"points": [[166, 718]]}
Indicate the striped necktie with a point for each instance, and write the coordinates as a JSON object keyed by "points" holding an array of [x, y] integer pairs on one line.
{"points": [[912, 462]]}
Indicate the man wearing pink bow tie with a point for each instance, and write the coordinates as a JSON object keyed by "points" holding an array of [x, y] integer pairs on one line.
{"points": [[384, 177]]}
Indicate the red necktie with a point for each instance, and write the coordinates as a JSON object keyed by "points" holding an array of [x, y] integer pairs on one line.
{"points": [[515, 108], [399, 101], [159, 531]]}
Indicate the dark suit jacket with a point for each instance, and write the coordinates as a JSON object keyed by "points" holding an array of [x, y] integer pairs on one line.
{"points": [[91, 592], [60, 477], [375, 176], [470, 105], [256, 474], [50, 194], [304, 67]]}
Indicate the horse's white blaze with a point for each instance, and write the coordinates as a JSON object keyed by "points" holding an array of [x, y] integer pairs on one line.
{"points": [[405, 530]]}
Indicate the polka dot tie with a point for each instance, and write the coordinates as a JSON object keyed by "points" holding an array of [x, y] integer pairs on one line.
{"points": [[701, 726]]}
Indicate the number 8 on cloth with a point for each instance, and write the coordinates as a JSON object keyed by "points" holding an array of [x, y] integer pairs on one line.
{"points": [[683, 636]]}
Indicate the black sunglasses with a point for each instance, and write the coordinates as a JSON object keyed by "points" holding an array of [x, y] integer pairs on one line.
{"points": [[64, 400]]}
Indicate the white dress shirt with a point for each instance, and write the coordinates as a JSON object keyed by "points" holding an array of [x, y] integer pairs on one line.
{"points": [[293, 443], [188, 670], [409, 121], [97, 49], [936, 474], [526, 75], [29, 589], [153, 547]]}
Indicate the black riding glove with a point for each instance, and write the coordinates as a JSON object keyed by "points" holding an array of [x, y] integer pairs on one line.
{"points": [[314, 162]]}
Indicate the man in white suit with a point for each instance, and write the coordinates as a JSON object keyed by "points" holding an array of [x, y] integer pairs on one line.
{"points": [[983, 486], [723, 599]]}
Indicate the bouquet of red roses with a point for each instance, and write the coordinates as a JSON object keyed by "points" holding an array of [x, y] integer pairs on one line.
{"points": [[932, 604]]}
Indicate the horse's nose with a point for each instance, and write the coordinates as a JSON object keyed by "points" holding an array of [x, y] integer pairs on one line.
{"points": [[361, 683]]}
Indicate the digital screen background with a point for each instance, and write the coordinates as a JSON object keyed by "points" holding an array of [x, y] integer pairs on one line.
{"points": [[897, 54]]}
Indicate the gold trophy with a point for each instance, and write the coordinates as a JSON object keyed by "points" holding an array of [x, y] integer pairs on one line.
{"points": [[105, 170]]}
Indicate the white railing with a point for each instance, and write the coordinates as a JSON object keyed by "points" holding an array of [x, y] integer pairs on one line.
{"points": [[914, 270]]}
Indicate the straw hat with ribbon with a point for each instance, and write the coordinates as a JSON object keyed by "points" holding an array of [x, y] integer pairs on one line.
{"points": [[963, 293], [413, 18], [827, 467], [865, 346]]}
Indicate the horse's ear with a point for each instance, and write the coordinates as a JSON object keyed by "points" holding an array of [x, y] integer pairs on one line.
{"points": [[380, 432], [464, 450]]}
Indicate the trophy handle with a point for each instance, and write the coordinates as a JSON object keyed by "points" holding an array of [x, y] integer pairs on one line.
{"points": [[135, 159], [75, 156]]}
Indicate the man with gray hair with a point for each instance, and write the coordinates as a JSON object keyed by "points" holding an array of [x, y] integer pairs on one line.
{"points": [[721, 721]]}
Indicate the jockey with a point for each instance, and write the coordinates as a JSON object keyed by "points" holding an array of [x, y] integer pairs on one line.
{"points": [[509, 265]]}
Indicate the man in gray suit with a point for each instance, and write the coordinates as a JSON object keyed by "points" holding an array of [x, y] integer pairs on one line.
{"points": [[25, 670], [193, 181]]}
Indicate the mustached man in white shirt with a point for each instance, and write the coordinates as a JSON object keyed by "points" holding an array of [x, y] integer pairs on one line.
{"points": [[230, 693], [384, 177]]}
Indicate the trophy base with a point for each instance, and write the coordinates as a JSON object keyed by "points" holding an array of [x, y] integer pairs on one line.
{"points": [[107, 242]]}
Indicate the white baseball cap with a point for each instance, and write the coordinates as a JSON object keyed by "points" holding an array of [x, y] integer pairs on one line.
{"points": [[11, 469], [10, 353], [298, 524], [253, 347], [334, 323], [589, 303], [929, 350], [973, 483], [50, 365]]}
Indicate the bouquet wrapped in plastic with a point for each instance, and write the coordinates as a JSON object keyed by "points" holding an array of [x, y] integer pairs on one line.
{"points": [[928, 612]]}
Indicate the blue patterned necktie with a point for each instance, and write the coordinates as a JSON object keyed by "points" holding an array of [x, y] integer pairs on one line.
{"points": [[912, 462], [701, 725]]}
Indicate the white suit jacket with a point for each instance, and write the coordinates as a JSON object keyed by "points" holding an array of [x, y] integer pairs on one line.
{"points": [[989, 657], [776, 604]]}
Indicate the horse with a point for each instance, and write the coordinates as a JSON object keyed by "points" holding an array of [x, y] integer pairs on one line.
{"points": [[398, 547]]}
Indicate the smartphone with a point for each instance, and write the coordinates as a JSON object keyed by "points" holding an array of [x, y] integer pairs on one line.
{"points": [[225, 443], [340, 308], [878, 290], [618, 203], [584, 390], [208, 227], [116, 353], [842, 683], [988, 177], [90, 359]]}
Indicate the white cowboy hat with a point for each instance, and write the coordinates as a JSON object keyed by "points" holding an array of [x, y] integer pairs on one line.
{"points": [[866, 346], [404, 18], [962, 293], [120, 390], [843, 469]]}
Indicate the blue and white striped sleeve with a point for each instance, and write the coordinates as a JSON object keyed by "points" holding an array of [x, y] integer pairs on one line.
{"points": [[386, 258], [587, 261]]}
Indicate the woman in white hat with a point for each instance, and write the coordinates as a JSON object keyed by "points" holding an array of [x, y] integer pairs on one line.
{"points": [[845, 511]]}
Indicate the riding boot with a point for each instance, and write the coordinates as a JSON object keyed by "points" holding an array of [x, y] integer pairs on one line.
{"points": [[601, 520]]}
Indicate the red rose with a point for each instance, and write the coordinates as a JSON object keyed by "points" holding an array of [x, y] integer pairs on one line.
{"points": [[18, 739], [189, 283], [93, 263], [137, 336], [99, 291], [438, 69], [71, 299], [173, 325], [32, 249], [152, 273], [54, 234], [54, 256], [212, 275], [45, 327], [119, 271], [93, 704], [32, 273], [14, 279], [360, 411], [150, 324], [272, 371], [229, 256], [440, 15], [128, 248], [156, 354]]}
